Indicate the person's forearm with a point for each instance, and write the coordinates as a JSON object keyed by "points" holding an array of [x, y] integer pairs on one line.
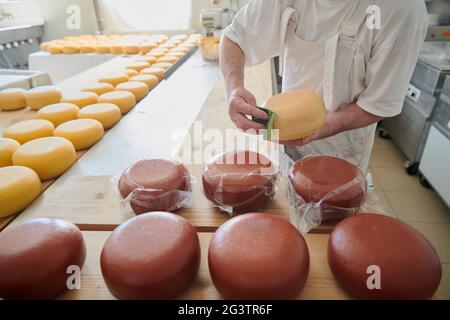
{"points": [[232, 62], [354, 117]]}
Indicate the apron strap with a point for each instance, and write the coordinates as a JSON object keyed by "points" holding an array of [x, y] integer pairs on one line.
{"points": [[288, 17]]}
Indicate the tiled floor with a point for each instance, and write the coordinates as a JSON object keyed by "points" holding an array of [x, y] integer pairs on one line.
{"points": [[404, 197]]}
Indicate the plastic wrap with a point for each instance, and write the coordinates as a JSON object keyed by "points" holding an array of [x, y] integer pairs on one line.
{"points": [[154, 185], [324, 189], [239, 182]]}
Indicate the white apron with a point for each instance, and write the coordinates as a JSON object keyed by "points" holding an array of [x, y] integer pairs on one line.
{"points": [[339, 66]]}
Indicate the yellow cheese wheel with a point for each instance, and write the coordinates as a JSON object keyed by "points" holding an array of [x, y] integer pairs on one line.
{"points": [[103, 48], [156, 71], [80, 99], [87, 48], [40, 97], [28, 130], [137, 88], [149, 79], [174, 41], [159, 49], [182, 37], [49, 157], [7, 148], [58, 113], [187, 45], [147, 47], [107, 114], [131, 49], [19, 186], [83, 133], [156, 54], [179, 54], [44, 46], [163, 65], [71, 48], [131, 72], [55, 48], [123, 99], [300, 113], [150, 60], [168, 58], [179, 49], [167, 45], [117, 49], [115, 79], [70, 38], [138, 65], [99, 88], [12, 99]]}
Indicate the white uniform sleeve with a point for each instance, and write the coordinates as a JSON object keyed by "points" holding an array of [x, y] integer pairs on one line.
{"points": [[256, 30], [392, 62]]}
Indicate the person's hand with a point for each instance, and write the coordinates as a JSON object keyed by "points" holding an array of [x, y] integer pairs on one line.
{"points": [[242, 103]]}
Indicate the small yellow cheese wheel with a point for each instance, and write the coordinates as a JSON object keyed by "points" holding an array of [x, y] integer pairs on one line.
{"points": [[182, 37], [186, 45], [71, 48], [83, 133], [99, 88], [123, 99], [58, 113], [149, 79], [156, 54], [178, 54], [167, 45], [49, 157], [163, 65], [131, 72], [156, 71], [70, 38], [137, 88], [44, 46], [115, 79], [12, 99], [147, 47], [7, 148], [87, 48], [138, 65], [180, 48], [80, 99], [103, 48], [159, 49], [55, 48], [150, 60], [19, 186], [300, 113], [117, 49], [107, 114], [131, 49], [168, 58], [28, 130], [40, 97]]}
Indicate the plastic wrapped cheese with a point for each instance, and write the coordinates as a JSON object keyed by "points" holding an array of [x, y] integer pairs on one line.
{"points": [[159, 72], [123, 99], [49, 157], [150, 80], [19, 186], [39, 97], [7, 149], [83, 133], [99, 88], [58, 113], [28, 130], [115, 79], [80, 99], [12, 99], [137, 88], [107, 114], [299, 113], [138, 65]]}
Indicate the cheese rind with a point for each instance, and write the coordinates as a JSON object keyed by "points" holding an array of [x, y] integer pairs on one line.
{"points": [[107, 114], [7, 149], [12, 99], [58, 113], [19, 186], [80, 99], [137, 88], [99, 88], [156, 71], [28, 130], [123, 99], [150, 80], [115, 79], [83, 133], [49, 157], [40, 97]]}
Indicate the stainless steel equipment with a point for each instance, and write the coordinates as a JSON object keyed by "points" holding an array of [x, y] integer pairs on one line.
{"points": [[25, 79], [216, 19], [438, 20]]}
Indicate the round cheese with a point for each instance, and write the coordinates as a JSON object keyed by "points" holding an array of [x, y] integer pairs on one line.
{"points": [[131, 49], [123, 99], [7, 148], [55, 48], [167, 45], [240, 181], [137, 88], [103, 48], [147, 47], [87, 48], [156, 71], [19, 186], [164, 50], [49, 157], [138, 65], [99, 88], [150, 80], [181, 37], [258, 256], [83, 133], [39, 97], [182, 49], [45, 45], [150, 60], [71, 48], [58, 113], [131, 72], [300, 113], [36, 256], [107, 114], [28, 130], [168, 58], [115, 79], [117, 49], [156, 54], [378, 257], [12, 99], [152, 256], [178, 54], [163, 65], [80, 99], [153, 185], [187, 45], [174, 41]]}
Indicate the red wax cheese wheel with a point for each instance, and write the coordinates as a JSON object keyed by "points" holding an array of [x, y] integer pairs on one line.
{"points": [[258, 256], [339, 183], [155, 185], [35, 256], [152, 256], [409, 267], [242, 181]]}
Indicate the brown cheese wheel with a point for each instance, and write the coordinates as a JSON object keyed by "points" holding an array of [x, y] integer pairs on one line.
{"points": [[258, 256], [243, 181], [154, 185], [314, 178], [152, 256], [35, 255], [409, 267]]}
